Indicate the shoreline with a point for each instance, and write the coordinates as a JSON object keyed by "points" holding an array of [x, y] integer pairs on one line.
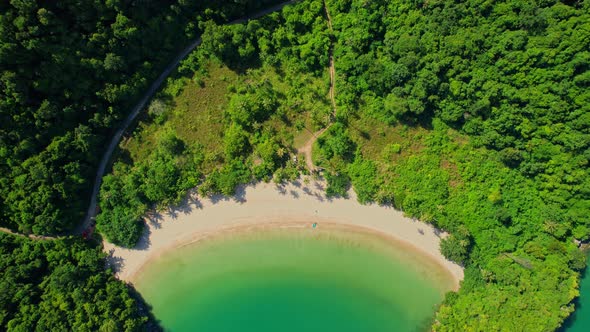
{"points": [[265, 205]]}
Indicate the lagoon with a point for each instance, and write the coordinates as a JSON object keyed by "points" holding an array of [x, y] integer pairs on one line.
{"points": [[294, 280]]}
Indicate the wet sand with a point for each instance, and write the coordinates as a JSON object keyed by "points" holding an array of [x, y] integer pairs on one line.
{"points": [[293, 205]]}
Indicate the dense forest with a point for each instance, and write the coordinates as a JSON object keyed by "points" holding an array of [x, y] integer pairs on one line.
{"points": [[70, 72], [62, 285], [256, 129], [514, 78], [473, 116]]}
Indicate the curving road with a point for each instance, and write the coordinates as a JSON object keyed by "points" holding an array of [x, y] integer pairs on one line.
{"points": [[92, 208], [104, 162]]}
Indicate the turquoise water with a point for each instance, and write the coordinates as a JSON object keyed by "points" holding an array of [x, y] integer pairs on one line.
{"points": [[580, 319], [294, 280]]}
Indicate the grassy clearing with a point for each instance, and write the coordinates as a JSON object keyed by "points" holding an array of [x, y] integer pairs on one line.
{"points": [[300, 113], [195, 115], [384, 143], [195, 111], [198, 111], [391, 147]]}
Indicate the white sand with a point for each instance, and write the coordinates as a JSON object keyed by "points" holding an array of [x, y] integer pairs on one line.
{"points": [[265, 203]]}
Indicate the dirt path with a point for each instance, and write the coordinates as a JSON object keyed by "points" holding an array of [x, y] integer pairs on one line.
{"points": [[30, 236], [116, 138], [92, 208], [332, 68], [306, 149]]}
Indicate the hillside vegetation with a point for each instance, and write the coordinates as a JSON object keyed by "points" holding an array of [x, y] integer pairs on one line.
{"points": [[502, 89], [231, 114], [62, 285], [69, 73], [470, 115]]}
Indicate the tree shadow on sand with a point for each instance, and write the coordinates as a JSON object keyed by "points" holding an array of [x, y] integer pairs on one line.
{"points": [[281, 189], [437, 232], [239, 196], [116, 263], [186, 206], [144, 242], [154, 218]]}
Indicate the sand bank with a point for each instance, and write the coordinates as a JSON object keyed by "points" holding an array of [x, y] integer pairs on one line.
{"points": [[297, 204]]}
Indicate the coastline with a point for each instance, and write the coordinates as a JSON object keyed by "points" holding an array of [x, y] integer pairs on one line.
{"points": [[265, 205]]}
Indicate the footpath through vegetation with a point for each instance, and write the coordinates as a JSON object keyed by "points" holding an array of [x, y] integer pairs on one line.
{"points": [[470, 116], [307, 148], [115, 140], [70, 73], [87, 222], [473, 116]]}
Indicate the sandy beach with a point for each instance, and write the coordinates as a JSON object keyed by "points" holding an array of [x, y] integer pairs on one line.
{"points": [[297, 204]]}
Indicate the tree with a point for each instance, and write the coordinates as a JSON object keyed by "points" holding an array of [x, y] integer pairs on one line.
{"points": [[235, 142], [363, 174], [456, 246], [335, 142], [62, 284]]}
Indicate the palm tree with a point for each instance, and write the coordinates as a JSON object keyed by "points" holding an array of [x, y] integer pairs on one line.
{"points": [[550, 226]]}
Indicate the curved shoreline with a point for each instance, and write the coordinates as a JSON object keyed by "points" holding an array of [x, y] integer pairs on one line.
{"points": [[293, 205]]}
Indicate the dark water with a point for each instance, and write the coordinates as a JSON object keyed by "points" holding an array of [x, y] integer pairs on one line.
{"points": [[294, 281]]}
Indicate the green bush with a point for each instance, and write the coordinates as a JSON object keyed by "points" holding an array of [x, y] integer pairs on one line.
{"points": [[335, 142], [364, 177], [338, 185]]}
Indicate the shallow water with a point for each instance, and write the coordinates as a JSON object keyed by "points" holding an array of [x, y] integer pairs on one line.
{"points": [[294, 280]]}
